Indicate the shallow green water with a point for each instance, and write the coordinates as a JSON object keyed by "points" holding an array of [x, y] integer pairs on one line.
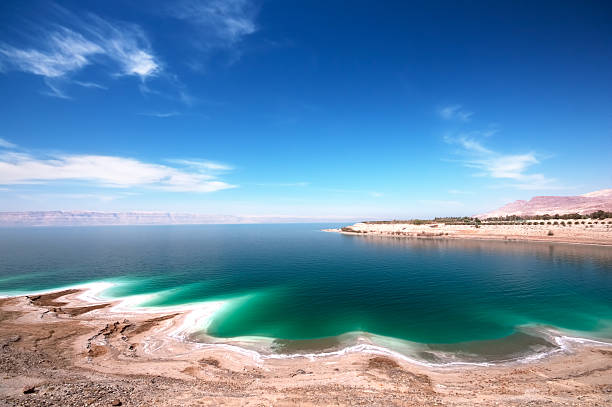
{"points": [[293, 282]]}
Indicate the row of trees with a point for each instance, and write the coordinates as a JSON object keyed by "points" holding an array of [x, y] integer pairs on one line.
{"points": [[514, 218], [466, 220], [397, 221]]}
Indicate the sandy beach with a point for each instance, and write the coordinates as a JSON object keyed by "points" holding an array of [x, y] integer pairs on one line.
{"points": [[598, 232], [64, 348]]}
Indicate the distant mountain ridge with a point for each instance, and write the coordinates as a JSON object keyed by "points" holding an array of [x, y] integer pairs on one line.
{"points": [[92, 218], [540, 205]]}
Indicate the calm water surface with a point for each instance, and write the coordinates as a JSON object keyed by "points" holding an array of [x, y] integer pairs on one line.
{"points": [[298, 284]]}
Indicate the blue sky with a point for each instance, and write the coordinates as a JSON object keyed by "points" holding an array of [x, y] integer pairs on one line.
{"points": [[314, 109]]}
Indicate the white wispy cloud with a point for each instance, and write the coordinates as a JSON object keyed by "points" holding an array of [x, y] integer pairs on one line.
{"points": [[202, 165], [56, 87], [171, 88], [90, 85], [126, 44], [512, 167], [161, 115], [66, 49], [455, 112], [104, 171], [6, 144], [221, 23]]}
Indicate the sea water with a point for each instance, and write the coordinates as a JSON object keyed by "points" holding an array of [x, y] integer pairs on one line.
{"points": [[299, 289]]}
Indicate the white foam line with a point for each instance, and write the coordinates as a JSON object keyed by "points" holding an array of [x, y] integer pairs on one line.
{"points": [[199, 316], [253, 354], [371, 349], [560, 340], [362, 348], [95, 287], [92, 291]]}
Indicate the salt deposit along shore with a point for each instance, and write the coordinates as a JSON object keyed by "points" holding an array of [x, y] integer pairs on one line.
{"points": [[73, 348], [583, 231]]}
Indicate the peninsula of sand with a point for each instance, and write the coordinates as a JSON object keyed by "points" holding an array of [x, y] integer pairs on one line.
{"points": [[582, 219], [583, 231], [65, 348]]}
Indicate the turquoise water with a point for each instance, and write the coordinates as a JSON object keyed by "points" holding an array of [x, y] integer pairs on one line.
{"points": [[305, 287]]}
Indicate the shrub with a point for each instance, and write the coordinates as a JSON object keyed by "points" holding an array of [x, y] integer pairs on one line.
{"points": [[601, 214]]}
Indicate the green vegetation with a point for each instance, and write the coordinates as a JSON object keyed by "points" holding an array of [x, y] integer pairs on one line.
{"points": [[601, 215], [515, 218], [395, 222], [465, 220], [501, 220]]}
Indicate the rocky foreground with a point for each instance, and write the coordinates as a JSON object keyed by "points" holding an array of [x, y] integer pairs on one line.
{"points": [[56, 350]]}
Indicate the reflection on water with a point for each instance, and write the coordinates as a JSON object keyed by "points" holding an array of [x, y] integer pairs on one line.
{"points": [[575, 254]]}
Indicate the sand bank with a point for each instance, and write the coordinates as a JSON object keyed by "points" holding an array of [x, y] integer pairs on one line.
{"points": [[599, 233]]}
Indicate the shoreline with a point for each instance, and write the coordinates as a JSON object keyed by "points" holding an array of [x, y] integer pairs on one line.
{"points": [[120, 342], [483, 238], [194, 317], [596, 235]]}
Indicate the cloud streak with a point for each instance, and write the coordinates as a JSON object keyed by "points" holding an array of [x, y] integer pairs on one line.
{"points": [[65, 51], [161, 115], [104, 171], [493, 164], [6, 144], [455, 112], [221, 23], [81, 42], [202, 165]]}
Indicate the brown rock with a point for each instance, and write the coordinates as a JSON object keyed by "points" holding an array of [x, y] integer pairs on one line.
{"points": [[116, 402], [29, 390], [210, 361], [383, 363]]}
